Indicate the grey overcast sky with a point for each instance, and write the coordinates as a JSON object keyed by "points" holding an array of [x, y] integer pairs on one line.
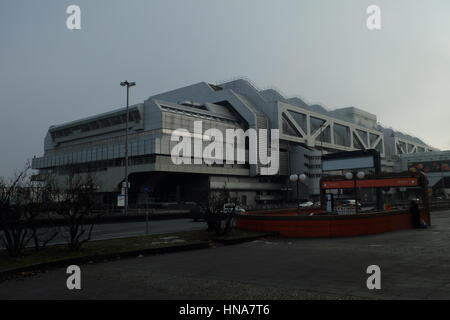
{"points": [[319, 50]]}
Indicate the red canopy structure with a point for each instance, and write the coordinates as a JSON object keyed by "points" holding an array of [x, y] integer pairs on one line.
{"points": [[384, 180]]}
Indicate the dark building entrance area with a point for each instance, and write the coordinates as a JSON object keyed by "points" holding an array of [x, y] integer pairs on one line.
{"points": [[167, 187]]}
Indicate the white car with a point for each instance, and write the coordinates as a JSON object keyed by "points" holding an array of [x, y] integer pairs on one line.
{"points": [[350, 203], [306, 204], [229, 207]]}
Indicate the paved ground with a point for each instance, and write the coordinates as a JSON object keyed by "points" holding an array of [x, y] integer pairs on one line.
{"points": [[415, 264]]}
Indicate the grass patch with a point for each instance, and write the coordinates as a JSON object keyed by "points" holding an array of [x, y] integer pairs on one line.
{"points": [[116, 246]]}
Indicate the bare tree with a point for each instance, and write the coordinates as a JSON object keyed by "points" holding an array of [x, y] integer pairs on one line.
{"points": [[74, 201], [14, 218], [216, 218], [40, 210], [24, 208]]}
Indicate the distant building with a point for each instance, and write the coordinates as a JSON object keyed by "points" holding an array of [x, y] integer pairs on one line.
{"points": [[436, 165], [306, 132]]}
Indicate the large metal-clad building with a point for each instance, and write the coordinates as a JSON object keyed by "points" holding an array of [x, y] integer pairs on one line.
{"points": [[97, 144]]}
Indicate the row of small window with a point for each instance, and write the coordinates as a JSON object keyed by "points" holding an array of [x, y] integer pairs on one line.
{"points": [[134, 116], [267, 193], [103, 165], [188, 124], [196, 115], [314, 158], [313, 166], [106, 141]]}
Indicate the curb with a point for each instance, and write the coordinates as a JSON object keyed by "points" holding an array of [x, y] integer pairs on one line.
{"points": [[228, 242], [7, 274]]}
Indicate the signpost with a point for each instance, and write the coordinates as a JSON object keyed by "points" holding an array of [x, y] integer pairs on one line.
{"points": [[147, 190], [121, 200]]}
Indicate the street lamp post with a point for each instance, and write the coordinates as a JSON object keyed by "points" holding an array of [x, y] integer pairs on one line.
{"points": [[128, 85], [353, 176], [297, 178]]}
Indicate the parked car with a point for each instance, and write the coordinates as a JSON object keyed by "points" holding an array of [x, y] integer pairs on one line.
{"points": [[306, 204], [350, 203], [196, 214], [229, 207]]}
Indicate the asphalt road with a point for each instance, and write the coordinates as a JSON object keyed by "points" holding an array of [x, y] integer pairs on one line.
{"points": [[415, 264], [131, 229]]}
